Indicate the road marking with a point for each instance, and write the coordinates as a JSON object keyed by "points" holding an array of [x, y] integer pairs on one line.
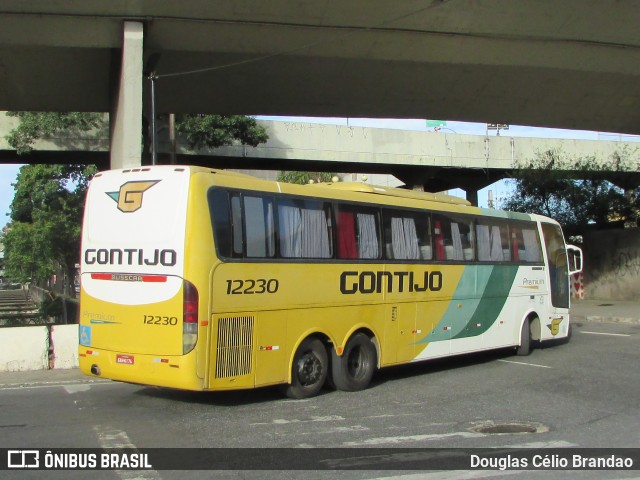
{"points": [[527, 364], [413, 438], [113, 438], [455, 475], [608, 334], [70, 386]]}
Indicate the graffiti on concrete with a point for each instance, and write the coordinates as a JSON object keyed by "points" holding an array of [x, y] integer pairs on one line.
{"points": [[626, 263]]}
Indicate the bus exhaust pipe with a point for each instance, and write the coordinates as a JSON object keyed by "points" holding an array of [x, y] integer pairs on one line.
{"points": [[95, 369]]}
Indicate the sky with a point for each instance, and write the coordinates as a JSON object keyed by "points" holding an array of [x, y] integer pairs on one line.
{"points": [[8, 172]]}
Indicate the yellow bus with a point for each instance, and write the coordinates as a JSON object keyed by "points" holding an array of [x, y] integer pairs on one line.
{"points": [[202, 279]]}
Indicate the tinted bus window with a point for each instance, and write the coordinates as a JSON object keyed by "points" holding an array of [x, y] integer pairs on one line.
{"points": [[407, 235], [259, 227], [453, 238], [492, 238], [357, 232], [304, 228], [525, 243]]}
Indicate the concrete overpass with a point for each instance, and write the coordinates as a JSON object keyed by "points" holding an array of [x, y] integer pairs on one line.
{"points": [[429, 160], [570, 64]]}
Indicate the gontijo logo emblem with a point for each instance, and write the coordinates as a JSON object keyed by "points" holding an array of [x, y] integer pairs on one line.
{"points": [[129, 198]]}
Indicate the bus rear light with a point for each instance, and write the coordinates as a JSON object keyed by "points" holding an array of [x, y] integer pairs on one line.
{"points": [[190, 317]]}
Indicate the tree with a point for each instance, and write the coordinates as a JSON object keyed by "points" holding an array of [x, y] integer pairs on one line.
{"points": [[304, 178], [200, 131], [46, 217], [213, 131], [548, 185], [35, 125]]}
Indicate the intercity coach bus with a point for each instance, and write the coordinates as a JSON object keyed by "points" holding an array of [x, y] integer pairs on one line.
{"points": [[202, 279]]}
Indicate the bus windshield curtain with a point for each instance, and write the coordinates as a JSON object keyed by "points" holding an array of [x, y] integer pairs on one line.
{"points": [[346, 235], [404, 239], [368, 238], [304, 233]]}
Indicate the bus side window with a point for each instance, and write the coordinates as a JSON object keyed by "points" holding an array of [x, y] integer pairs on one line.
{"points": [[525, 244], [407, 235], [221, 219], [454, 238], [304, 229], [357, 232], [259, 227], [493, 241]]}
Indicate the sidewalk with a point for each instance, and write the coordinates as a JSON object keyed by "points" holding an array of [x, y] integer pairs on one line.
{"points": [[609, 311], [29, 378]]}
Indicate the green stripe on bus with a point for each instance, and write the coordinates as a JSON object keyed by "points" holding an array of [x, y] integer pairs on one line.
{"points": [[492, 301], [476, 303]]}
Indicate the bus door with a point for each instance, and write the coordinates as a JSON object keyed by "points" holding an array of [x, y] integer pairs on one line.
{"points": [[559, 272]]}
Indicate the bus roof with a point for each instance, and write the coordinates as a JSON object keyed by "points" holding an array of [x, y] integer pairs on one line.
{"points": [[395, 192]]}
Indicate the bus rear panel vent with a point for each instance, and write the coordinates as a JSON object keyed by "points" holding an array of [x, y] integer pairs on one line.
{"points": [[235, 346]]}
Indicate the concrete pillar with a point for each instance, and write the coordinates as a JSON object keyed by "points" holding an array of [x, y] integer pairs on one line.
{"points": [[472, 196], [126, 113]]}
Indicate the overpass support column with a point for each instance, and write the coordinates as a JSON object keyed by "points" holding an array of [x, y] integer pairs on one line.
{"points": [[126, 111], [472, 196]]}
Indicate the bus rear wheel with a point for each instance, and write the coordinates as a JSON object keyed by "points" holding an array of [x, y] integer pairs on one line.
{"points": [[309, 369], [355, 368]]}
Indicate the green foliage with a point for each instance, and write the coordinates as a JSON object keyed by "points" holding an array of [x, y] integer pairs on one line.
{"points": [[52, 306], [544, 185], [46, 215], [303, 178], [212, 131], [35, 125], [200, 131]]}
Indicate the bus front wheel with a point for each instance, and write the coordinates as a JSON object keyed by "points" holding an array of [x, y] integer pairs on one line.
{"points": [[309, 369], [355, 368], [525, 340]]}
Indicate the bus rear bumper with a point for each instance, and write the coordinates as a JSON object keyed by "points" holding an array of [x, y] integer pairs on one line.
{"points": [[162, 371]]}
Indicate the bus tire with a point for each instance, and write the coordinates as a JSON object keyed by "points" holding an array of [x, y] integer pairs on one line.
{"points": [[354, 369], [524, 348], [309, 369]]}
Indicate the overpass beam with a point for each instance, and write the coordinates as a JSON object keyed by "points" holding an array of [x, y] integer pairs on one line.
{"points": [[126, 110]]}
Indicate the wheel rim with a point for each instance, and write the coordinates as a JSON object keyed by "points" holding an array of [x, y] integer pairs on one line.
{"points": [[357, 362], [309, 369]]}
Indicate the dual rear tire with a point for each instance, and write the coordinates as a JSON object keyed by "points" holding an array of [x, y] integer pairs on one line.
{"points": [[350, 372]]}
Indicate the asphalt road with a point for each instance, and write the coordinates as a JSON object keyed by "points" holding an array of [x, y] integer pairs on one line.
{"points": [[581, 394]]}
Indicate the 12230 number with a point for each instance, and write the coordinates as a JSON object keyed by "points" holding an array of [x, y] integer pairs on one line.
{"points": [[251, 287]]}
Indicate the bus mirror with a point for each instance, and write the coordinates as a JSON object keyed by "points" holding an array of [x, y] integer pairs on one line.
{"points": [[575, 259]]}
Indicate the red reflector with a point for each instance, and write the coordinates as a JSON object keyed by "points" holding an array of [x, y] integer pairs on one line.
{"points": [[101, 276], [154, 278]]}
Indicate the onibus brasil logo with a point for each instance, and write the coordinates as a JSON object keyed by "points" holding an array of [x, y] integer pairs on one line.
{"points": [[129, 197]]}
